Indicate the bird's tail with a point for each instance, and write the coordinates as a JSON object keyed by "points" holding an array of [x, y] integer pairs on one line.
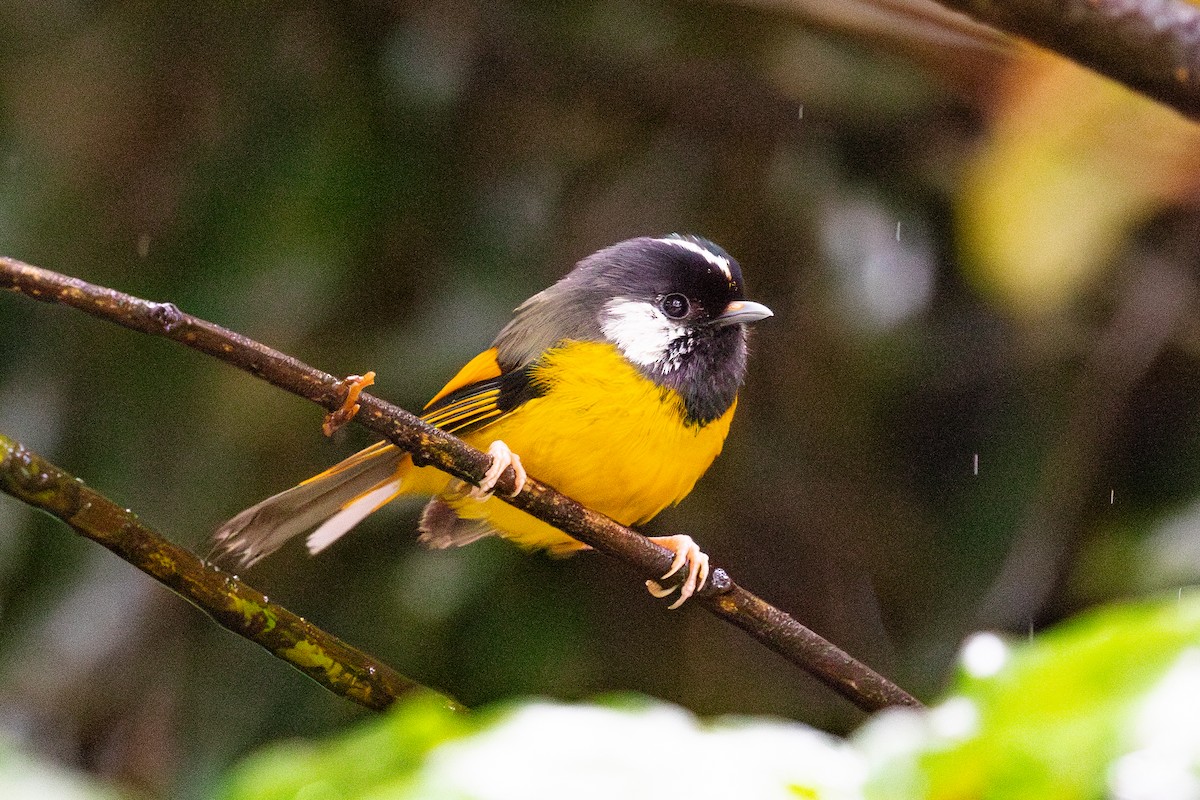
{"points": [[332, 502]]}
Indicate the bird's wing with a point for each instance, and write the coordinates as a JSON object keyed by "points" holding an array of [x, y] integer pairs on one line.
{"points": [[481, 393], [480, 368]]}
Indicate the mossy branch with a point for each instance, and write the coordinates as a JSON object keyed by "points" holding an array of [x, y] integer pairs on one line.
{"points": [[234, 605], [428, 445]]}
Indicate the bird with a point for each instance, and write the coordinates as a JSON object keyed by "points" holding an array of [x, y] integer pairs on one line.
{"points": [[616, 385]]}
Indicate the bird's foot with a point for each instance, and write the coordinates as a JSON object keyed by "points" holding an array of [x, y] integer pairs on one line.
{"points": [[353, 386], [502, 459], [686, 551]]}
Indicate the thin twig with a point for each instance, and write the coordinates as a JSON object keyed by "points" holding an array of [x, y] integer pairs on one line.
{"points": [[428, 445], [1151, 46], [234, 605]]}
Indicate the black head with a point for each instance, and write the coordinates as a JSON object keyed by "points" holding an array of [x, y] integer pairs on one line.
{"points": [[690, 279], [675, 308], [672, 305]]}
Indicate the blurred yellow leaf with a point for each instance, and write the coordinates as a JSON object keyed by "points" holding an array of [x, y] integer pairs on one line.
{"points": [[1072, 165]]}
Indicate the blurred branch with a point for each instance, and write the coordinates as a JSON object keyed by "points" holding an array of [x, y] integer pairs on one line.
{"points": [[428, 445], [959, 51], [1152, 46], [234, 605]]}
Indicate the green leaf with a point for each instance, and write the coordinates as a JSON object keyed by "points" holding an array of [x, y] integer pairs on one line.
{"points": [[624, 748], [385, 751], [1080, 712], [1104, 706]]}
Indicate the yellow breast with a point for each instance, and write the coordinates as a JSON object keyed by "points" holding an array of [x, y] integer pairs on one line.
{"points": [[603, 434]]}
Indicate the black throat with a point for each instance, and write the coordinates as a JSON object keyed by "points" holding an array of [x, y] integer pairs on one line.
{"points": [[706, 369]]}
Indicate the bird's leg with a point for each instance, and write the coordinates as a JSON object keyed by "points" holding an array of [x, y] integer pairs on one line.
{"points": [[353, 386], [502, 459], [686, 551]]}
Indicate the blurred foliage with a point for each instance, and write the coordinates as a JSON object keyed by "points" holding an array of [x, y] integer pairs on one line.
{"points": [[1072, 166], [25, 778], [1106, 706], [377, 758], [963, 414], [625, 746]]}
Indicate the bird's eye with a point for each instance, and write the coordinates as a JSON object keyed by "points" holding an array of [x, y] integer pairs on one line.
{"points": [[675, 306]]}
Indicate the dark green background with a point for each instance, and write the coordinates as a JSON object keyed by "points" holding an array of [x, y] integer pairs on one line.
{"points": [[375, 186]]}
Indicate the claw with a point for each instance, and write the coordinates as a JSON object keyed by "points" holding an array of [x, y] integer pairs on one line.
{"points": [[502, 459], [681, 557], [685, 550], [353, 386], [654, 588]]}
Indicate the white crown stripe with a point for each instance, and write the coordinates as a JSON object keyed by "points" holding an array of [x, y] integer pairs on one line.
{"points": [[720, 262]]}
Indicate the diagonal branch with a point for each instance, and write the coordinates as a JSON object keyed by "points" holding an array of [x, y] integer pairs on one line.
{"points": [[1151, 46], [234, 605], [428, 445]]}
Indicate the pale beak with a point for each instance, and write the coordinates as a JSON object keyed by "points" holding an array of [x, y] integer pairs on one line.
{"points": [[740, 311]]}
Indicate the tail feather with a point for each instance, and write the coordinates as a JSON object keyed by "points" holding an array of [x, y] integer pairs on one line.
{"points": [[350, 515], [261, 529], [441, 527]]}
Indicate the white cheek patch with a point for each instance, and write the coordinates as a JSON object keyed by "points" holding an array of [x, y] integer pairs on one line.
{"points": [[641, 332], [720, 262]]}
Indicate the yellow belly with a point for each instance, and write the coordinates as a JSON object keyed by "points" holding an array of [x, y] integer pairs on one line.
{"points": [[602, 434]]}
